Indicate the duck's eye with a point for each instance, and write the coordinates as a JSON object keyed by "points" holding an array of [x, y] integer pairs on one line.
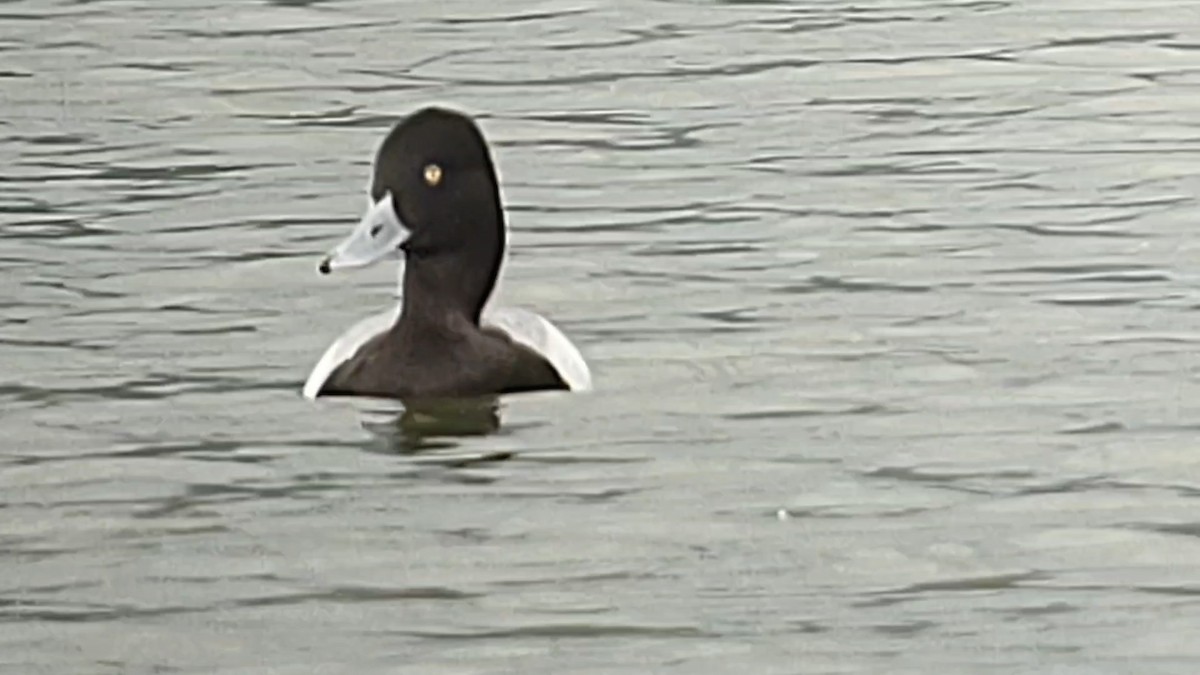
{"points": [[375, 230], [433, 175]]}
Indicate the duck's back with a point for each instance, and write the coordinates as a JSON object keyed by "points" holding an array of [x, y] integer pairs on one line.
{"points": [[409, 365]]}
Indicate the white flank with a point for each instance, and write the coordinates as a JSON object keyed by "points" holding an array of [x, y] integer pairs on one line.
{"points": [[537, 333]]}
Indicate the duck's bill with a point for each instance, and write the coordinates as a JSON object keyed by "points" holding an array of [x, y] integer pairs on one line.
{"points": [[377, 237]]}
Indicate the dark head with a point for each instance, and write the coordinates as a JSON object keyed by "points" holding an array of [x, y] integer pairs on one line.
{"points": [[436, 199]]}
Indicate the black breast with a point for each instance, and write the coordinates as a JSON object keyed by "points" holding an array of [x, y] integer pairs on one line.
{"points": [[467, 364]]}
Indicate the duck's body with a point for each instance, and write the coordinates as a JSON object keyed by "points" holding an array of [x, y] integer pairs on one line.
{"points": [[346, 366], [435, 198]]}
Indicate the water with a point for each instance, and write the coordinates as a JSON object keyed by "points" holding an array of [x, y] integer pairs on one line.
{"points": [[891, 307]]}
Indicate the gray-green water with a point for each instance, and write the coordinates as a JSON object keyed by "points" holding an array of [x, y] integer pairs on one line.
{"points": [[891, 306]]}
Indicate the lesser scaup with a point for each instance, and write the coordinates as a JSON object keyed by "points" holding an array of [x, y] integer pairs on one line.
{"points": [[435, 205]]}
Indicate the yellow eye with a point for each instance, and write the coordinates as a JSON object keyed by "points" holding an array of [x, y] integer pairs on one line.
{"points": [[433, 174]]}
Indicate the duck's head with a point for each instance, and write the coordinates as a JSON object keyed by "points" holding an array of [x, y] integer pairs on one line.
{"points": [[434, 196]]}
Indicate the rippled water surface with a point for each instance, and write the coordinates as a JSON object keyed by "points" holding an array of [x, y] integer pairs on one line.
{"points": [[891, 306]]}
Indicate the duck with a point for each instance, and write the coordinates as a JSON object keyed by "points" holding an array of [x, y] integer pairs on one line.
{"points": [[434, 206]]}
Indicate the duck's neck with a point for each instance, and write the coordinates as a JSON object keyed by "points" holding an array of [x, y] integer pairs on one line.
{"points": [[444, 289]]}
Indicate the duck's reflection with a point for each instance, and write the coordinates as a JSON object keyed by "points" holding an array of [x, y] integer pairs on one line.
{"points": [[430, 424]]}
